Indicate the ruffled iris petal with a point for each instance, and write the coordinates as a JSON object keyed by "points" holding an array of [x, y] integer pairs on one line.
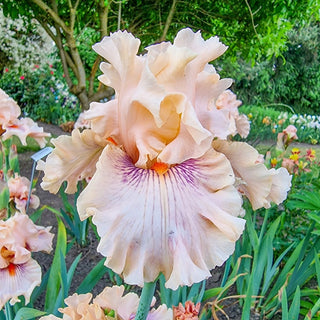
{"points": [[120, 50], [182, 223], [73, 159], [281, 183], [257, 182], [111, 298]]}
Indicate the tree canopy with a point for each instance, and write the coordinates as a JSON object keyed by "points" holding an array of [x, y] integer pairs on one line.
{"points": [[251, 28]]}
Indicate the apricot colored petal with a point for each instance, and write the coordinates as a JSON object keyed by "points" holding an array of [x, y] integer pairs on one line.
{"points": [[168, 65], [21, 281], [161, 313], [191, 133], [111, 298], [206, 50], [208, 88], [103, 118], [171, 142], [243, 125], [73, 159], [281, 183], [120, 50], [79, 308], [151, 223], [256, 180]]}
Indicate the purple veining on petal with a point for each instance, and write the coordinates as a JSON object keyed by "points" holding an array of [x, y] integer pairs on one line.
{"points": [[186, 171]]}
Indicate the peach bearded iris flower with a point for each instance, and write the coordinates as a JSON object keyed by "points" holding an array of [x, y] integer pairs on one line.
{"points": [[19, 188], [19, 273], [109, 304], [163, 198], [22, 128]]}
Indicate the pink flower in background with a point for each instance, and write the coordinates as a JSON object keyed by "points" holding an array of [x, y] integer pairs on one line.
{"points": [[291, 132], [19, 190], [9, 110], [288, 164], [166, 190], [82, 122], [285, 137], [23, 127], [228, 104], [6, 70], [19, 273], [26, 127], [22, 78]]}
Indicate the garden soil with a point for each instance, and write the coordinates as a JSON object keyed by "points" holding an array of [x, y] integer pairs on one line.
{"points": [[89, 256]]}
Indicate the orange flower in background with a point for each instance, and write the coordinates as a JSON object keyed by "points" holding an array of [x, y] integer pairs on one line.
{"points": [[166, 186], [311, 155], [187, 312], [266, 120], [273, 162], [19, 273], [295, 151]]}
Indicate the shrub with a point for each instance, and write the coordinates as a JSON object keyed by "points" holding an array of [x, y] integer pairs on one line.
{"points": [[291, 79], [41, 93]]}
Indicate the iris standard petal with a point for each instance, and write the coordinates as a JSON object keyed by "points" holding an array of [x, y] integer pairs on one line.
{"points": [[120, 50], [181, 223]]}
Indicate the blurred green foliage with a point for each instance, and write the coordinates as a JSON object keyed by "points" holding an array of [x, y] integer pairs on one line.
{"points": [[291, 79]]}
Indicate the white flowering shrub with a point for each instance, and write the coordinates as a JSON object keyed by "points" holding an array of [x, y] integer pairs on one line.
{"points": [[25, 43]]}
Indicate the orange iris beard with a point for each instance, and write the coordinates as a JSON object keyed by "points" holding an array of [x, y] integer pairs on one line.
{"points": [[160, 167]]}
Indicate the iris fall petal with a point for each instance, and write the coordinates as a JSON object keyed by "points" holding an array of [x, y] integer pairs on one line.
{"points": [[151, 223]]}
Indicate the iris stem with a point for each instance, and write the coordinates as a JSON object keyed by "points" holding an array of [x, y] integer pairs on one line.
{"points": [[8, 311], [145, 300]]}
